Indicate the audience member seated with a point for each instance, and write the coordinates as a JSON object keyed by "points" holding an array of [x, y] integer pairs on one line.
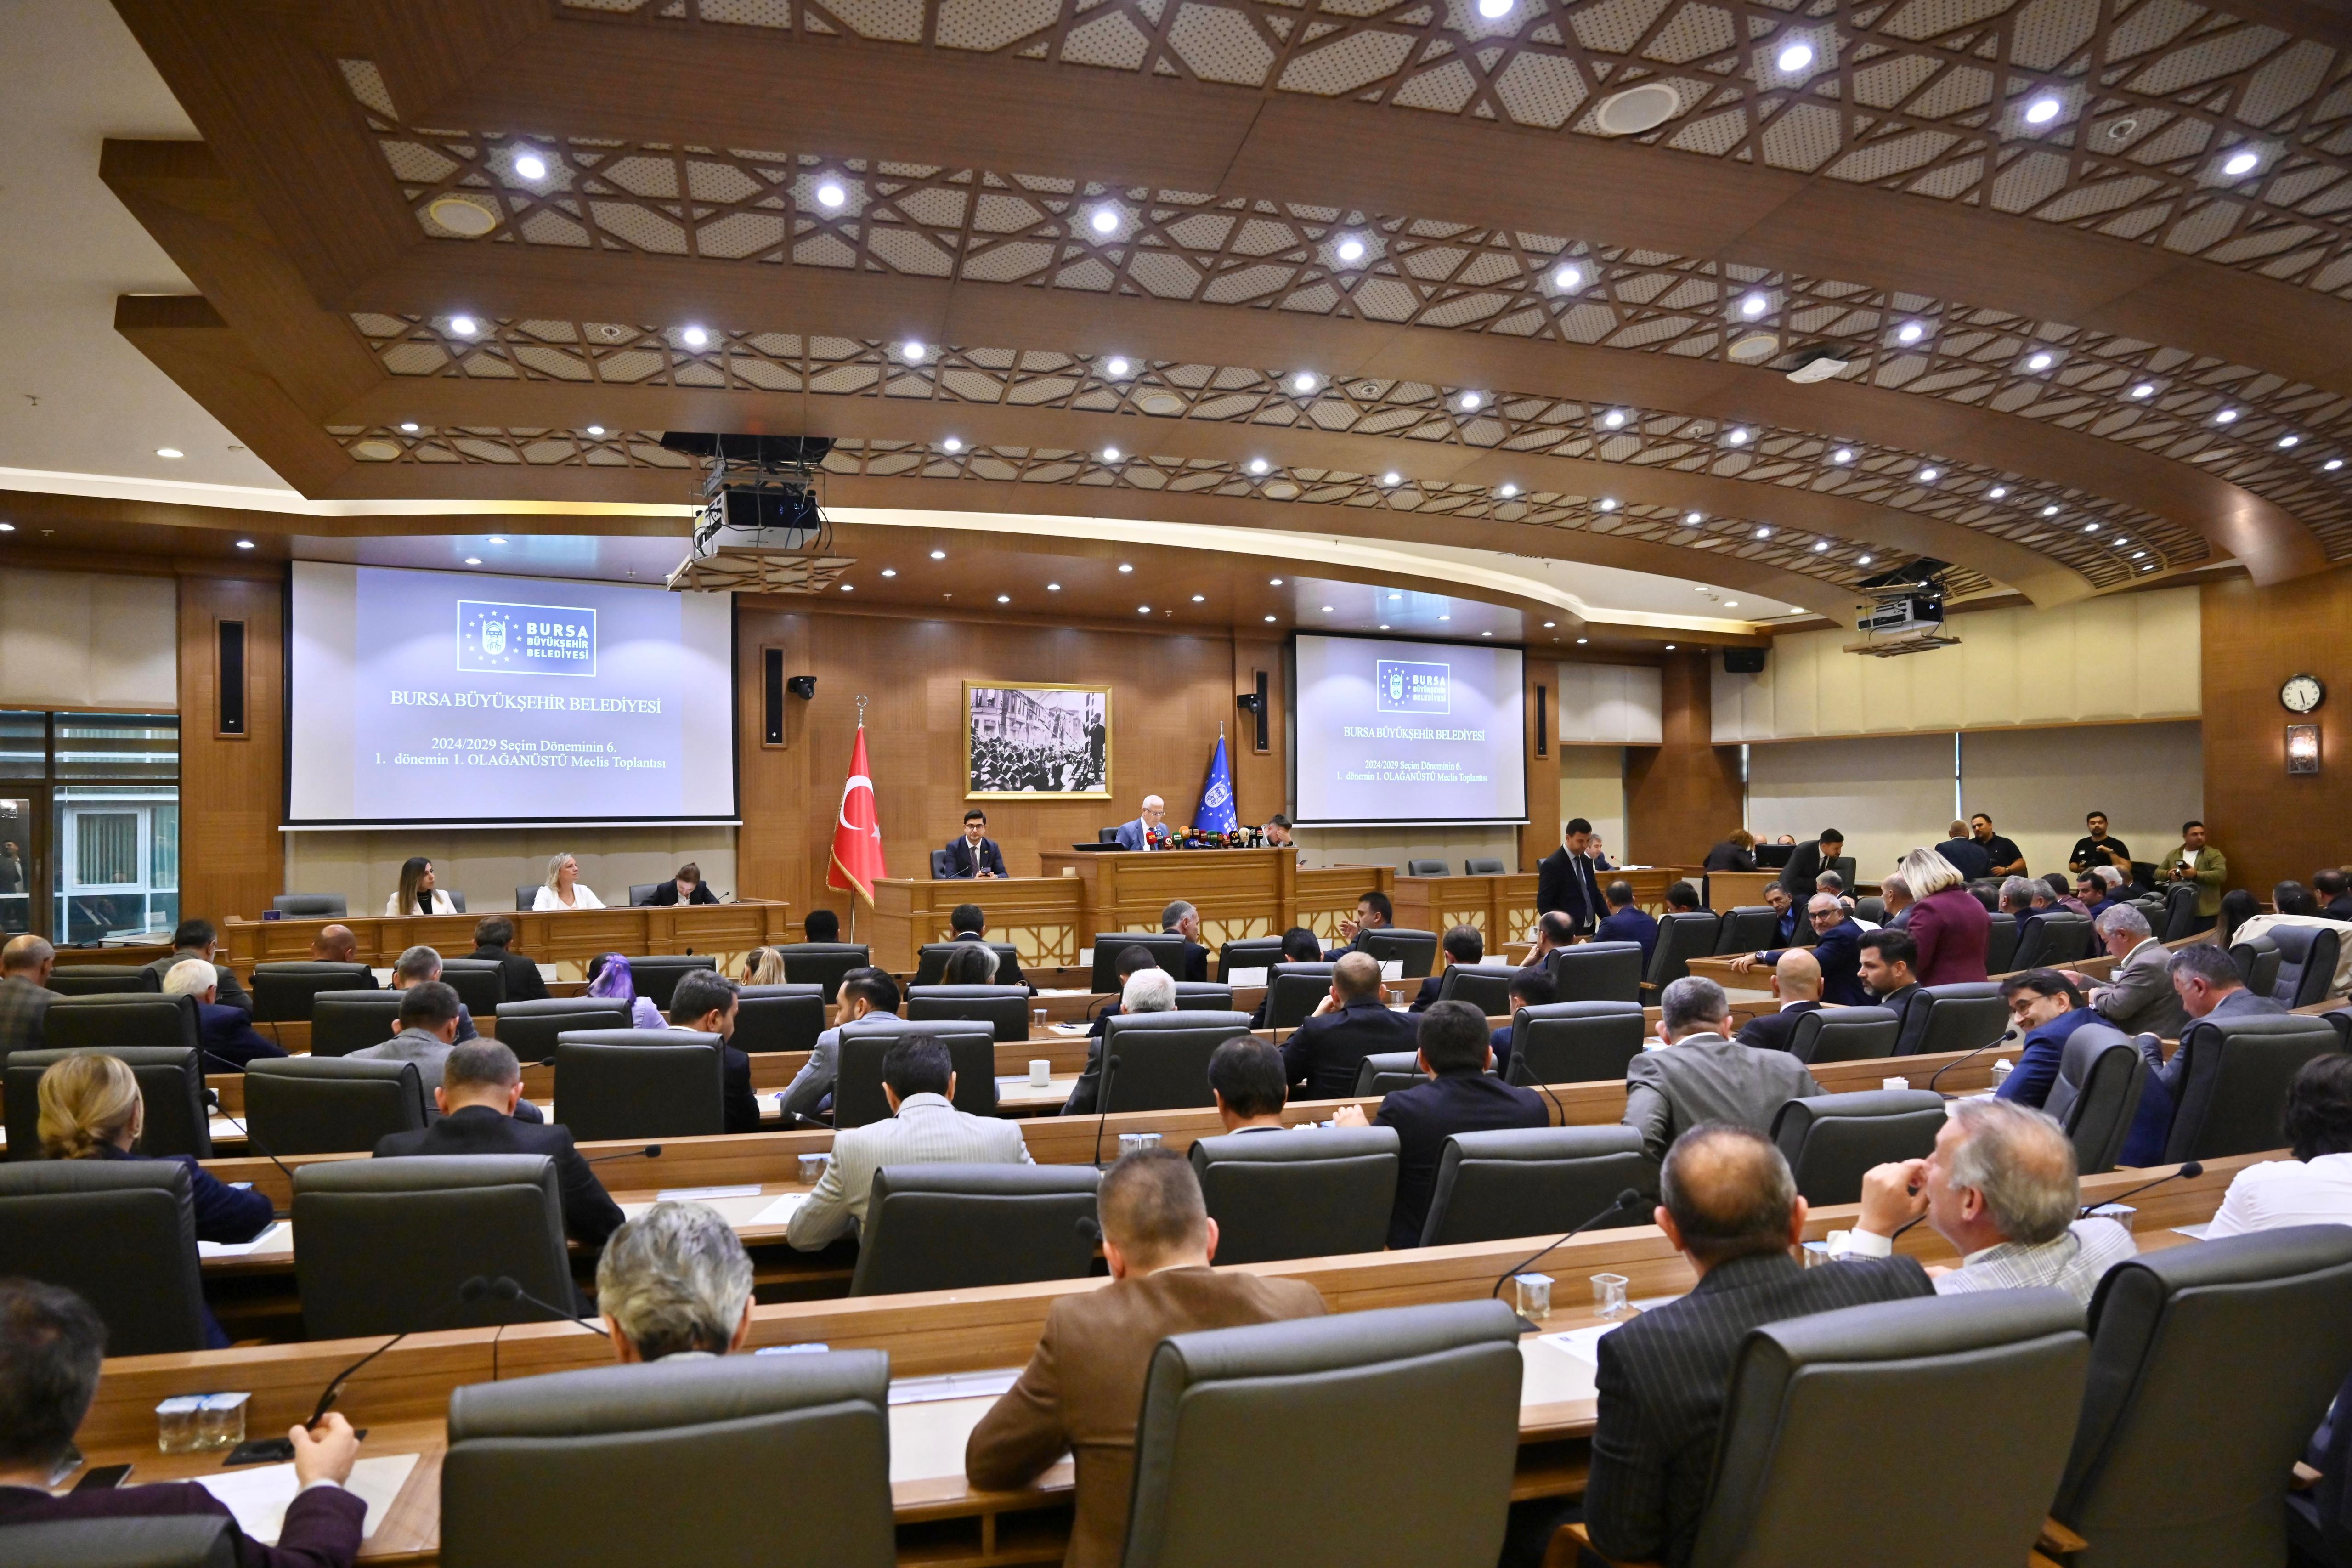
{"points": [[924, 1128], [1299, 945], [1460, 1097], [2292, 898], [705, 1002], [2025, 900], [1836, 955], [2205, 983], [867, 994], [429, 1014], [686, 888], [494, 940], [2097, 891], [1948, 924], [1083, 1390], [1181, 918], [1682, 899], [1786, 911], [1730, 1207], [1885, 966], [417, 895], [2238, 907], [972, 963], [763, 967], [1350, 1024], [1736, 853], [1530, 988], [91, 1109], [1373, 911], [822, 925], [1134, 960], [2001, 1188], [479, 1087], [52, 1346], [2138, 998], [1151, 989], [2008, 860], [24, 995], [197, 939], [1701, 1075], [1964, 853], [337, 945], [1245, 1082], [1555, 929], [2046, 1006], [1830, 882], [1797, 982], [420, 966], [1809, 860], [675, 1281], [1461, 944], [2313, 1187], [973, 854], [970, 923], [609, 976], [564, 889], [226, 1033], [2333, 892], [1626, 922], [1895, 895]]}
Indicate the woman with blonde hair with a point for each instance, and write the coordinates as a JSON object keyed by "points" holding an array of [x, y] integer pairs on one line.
{"points": [[565, 889], [765, 966], [417, 894], [1946, 922], [92, 1110]]}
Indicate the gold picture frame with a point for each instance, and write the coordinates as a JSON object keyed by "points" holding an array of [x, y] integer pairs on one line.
{"points": [[1035, 742]]}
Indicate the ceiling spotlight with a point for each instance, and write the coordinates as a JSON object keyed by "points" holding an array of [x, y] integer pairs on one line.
{"points": [[1731, 603], [2139, 554], [1142, 609], [1549, 625], [1929, 475], [694, 337], [1105, 220], [2049, 510], [889, 570], [1754, 305], [2290, 440], [1471, 401], [1200, 598], [1582, 640], [1508, 489], [1763, 531], [1567, 276], [2146, 389], [2123, 539], [1821, 547], [852, 588], [530, 166], [1384, 625], [1327, 609], [1693, 518], [1670, 648], [1862, 560], [2039, 361], [912, 350], [952, 443], [1737, 437], [2242, 162], [1486, 634], [1050, 587], [498, 539], [1258, 465], [1842, 454], [1996, 492], [1613, 419], [1608, 503], [1391, 477], [938, 555], [1441, 617], [2043, 110], [1496, 10], [2330, 465], [1351, 250], [1110, 454], [2090, 528], [1126, 566], [463, 326], [169, 452], [1393, 597], [1303, 382], [408, 427], [241, 544], [473, 561], [1274, 582], [1117, 366], [1794, 57], [595, 429], [1910, 333], [2227, 416], [1269, 618], [1004, 598], [830, 196]]}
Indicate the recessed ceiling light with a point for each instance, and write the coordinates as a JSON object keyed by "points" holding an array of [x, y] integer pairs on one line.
{"points": [[1445, 618], [1737, 437], [408, 425], [830, 194], [1384, 625], [1567, 276], [2149, 568], [1004, 598], [1693, 518], [1391, 477], [1862, 560], [1731, 603], [1126, 566], [2290, 440], [1274, 582], [1701, 589], [1105, 220], [1117, 366], [2049, 510], [952, 443], [1200, 598], [530, 166], [2123, 539], [1614, 418], [889, 570], [463, 326], [1496, 10], [1396, 597], [1327, 609], [498, 539], [852, 588], [1996, 492], [1303, 382], [912, 350], [694, 337], [1929, 475], [1549, 625], [2332, 464], [2043, 110], [1142, 609], [938, 555], [2138, 554], [2227, 416], [247, 544], [1670, 648], [1607, 503], [1795, 56], [1269, 618], [473, 561], [1052, 587], [1842, 454], [169, 452], [2144, 390], [1258, 465], [1910, 333], [1486, 634], [2039, 361], [1508, 489], [1754, 305], [1470, 402], [1763, 531], [2090, 528], [1821, 546], [1350, 249], [1110, 454], [2242, 162], [595, 429]]}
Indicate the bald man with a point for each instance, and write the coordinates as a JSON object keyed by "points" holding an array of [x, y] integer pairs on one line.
{"points": [[1352, 1023], [1146, 832], [25, 994], [1797, 982], [334, 944]]}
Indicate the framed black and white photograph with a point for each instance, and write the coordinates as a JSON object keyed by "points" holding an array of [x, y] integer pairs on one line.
{"points": [[1036, 742]]}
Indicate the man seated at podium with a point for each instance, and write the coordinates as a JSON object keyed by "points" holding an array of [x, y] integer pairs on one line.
{"points": [[1277, 833], [973, 853], [1147, 831]]}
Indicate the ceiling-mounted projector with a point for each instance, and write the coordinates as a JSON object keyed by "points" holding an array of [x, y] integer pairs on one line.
{"points": [[762, 526]]}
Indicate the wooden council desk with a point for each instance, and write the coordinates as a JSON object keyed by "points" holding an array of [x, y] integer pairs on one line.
{"points": [[550, 936], [1049, 920], [1501, 908], [1734, 889]]}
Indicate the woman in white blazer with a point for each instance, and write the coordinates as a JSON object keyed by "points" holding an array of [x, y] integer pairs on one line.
{"points": [[417, 894], [564, 889]]}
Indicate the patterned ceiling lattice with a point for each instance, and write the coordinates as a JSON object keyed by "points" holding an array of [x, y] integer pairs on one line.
{"points": [[2121, 117], [1832, 561], [2275, 437], [2086, 532]]}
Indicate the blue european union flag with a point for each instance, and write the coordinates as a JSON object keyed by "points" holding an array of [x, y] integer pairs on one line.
{"points": [[1216, 813]]}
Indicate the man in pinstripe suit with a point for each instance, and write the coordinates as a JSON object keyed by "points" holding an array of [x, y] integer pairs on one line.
{"points": [[925, 1128], [1731, 1208]]}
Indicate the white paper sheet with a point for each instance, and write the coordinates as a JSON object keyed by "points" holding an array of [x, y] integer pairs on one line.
{"points": [[278, 1237], [782, 1211], [704, 1194], [1245, 977], [985, 1384], [2194, 1232], [1392, 969], [260, 1495], [1581, 1343]]}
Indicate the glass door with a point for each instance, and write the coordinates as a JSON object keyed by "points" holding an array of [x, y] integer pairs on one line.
{"points": [[18, 873]]}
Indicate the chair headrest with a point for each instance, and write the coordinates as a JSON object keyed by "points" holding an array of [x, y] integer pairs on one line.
{"points": [[1314, 968], [384, 1001], [1864, 1103], [181, 1057], [1963, 991], [2251, 1259], [665, 1394], [1178, 1019], [2086, 1042], [329, 1068], [1302, 1346], [423, 1174], [966, 993], [183, 1540], [1297, 1145], [476, 966], [987, 1181], [2245, 1026], [19, 1178], [562, 1006], [1549, 1010], [1923, 1326], [822, 949], [299, 966], [1832, 1015], [1549, 1142], [635, 1037], [807, 988], [1591, 950], [101, 1001]]}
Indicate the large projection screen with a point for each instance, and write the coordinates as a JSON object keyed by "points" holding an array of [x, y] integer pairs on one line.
{"points": [[1407, 733], [456, 699]]}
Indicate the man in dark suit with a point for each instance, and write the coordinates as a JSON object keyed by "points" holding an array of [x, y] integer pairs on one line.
{"points": [[1625, 922], [1797, 982], [1808, 861], [51, 1347], [1886, 959], [1460, 1097], [970, 923], [1731, 1208], [226, 1033], [494, 939], [1736, 853], [705, 1002], [1530, 988], [1460, 944], [2333, 892], [1837, 953], [972, 853], [1555, 930], [686, 888], [1703, 1075], [1968, 857], [1352, 1023], [1148, 830], [1181, 918], [1374, 911], [481, 1085], [197, 939], [1565, 879]]}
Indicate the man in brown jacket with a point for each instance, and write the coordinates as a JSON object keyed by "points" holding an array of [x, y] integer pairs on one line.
{"points": [[1083, 1390]]}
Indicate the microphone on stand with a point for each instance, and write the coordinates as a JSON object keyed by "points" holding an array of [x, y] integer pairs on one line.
{"points": [[213, 1103], [1110, 1066], [278, 1450], [2192, 1170], [505, 1288], [650, 1152], [1623, 1201], [1937, 1075]]}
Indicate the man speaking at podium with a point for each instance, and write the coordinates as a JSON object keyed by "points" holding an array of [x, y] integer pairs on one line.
{"points": [[974, 853], [1145, 832]]}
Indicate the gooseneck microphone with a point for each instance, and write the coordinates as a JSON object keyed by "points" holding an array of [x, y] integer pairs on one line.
{"points": [[213, 1104], [650, 1152], [2191, 1170], [1937, 1076], [505, 1288], [1109, 1066], [266, 1450], [1627, 1199]]}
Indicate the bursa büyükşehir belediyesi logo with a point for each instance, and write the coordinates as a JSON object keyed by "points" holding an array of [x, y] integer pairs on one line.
{"points": [[1406, 687], [525, 639]]}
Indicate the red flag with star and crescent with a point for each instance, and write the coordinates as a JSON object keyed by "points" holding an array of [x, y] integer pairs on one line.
{"points": [[857, 832]]}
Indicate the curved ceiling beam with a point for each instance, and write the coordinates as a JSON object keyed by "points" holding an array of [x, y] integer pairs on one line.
{"points": [[507, 282], [564, 406], [850, 98]]}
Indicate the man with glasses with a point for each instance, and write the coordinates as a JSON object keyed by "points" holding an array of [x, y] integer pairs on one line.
{"points": [[1837, 948]]}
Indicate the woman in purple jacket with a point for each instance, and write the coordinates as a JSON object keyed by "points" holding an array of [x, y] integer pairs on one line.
{"points": [[1948, 922]]}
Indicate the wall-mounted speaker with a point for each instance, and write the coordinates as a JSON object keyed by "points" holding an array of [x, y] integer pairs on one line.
{"points": [[1743, 661], [229, 684], [1543, 721], [772, 696], [1263, 708]]}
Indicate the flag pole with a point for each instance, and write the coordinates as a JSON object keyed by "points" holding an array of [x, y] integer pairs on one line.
{"points": [[852, 897]]}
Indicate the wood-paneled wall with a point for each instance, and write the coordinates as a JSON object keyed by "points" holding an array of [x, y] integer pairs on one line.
{"points": [[1683, 794], [2270, 826], [232, 789]]}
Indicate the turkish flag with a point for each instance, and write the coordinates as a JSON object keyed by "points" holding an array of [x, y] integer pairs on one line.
{"points": [[857, 832]]}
